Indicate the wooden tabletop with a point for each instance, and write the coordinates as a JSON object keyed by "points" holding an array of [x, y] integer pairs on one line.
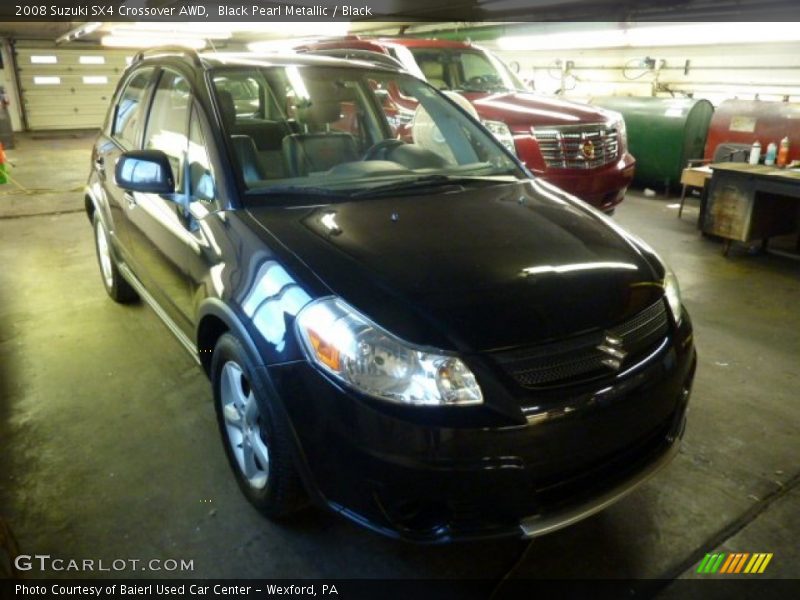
{"points": [[758, 170]]}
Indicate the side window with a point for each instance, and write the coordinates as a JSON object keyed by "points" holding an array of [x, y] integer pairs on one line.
{"points": [[167, 127], [129, 112], [202, 185]]}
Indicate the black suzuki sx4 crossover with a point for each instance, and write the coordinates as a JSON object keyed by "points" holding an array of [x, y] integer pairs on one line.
{"points": [[398, 321]]}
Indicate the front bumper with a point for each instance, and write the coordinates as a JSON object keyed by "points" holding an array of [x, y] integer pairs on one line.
{"points": [[432, 483], [603, 187]]}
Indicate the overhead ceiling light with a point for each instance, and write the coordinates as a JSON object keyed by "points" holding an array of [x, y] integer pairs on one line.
{"points": [[572, 40], [712, 33], [226, 29], [302, 28], [676, 34], [142, 41], [175, 31], [79, 32], [269, 46]]}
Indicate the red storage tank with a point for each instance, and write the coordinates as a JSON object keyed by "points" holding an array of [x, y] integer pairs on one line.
{"points": [[745, 121]]}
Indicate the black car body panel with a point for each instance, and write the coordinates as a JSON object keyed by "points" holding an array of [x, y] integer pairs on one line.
{"points": [[490, 273], [434, 484], [458, 270]]}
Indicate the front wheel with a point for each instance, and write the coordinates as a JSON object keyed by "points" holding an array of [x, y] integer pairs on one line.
{"points": [[257, 445]]}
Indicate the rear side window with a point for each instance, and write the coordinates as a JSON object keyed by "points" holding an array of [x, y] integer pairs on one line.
{"points": [[168, 125], [129, 113]]}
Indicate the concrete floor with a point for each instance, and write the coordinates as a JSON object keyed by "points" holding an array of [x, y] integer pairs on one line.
{"points": [[109, 448]]}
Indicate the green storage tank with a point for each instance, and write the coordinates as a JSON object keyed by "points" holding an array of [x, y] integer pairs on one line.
{"points": [[663, 134]]}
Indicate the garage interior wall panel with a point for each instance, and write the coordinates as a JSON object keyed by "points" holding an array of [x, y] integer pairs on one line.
{"points": [[67, 87], [714, 73]]}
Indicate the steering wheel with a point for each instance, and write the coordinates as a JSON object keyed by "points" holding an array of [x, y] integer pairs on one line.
{"points": [[482, 81], [477, 81], [381, 150]]}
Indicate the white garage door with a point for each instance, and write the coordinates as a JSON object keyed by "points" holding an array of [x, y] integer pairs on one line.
{"points": [[67, 88]]}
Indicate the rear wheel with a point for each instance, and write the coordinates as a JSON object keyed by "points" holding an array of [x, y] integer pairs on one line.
{"points": [[257, 446], [116, 285]]}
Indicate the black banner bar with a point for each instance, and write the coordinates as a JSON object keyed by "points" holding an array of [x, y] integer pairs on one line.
{"points": [[399, 10], [372, 589]]}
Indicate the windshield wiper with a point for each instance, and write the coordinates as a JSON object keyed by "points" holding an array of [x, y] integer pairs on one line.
{"points": [[296, 190], [426, 181]]}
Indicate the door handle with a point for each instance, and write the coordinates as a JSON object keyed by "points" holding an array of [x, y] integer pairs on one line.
{"points": [[130, 199], [99, 163]]}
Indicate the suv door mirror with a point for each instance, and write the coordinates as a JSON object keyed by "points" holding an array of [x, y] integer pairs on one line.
{"points": [[145, 171]]}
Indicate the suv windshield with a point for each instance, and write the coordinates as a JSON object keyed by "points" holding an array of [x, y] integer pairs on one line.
{"points": [[465, 70], [340, 131]]}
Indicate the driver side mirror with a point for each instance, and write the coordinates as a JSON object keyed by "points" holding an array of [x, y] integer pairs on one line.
{"points": [[147, 171]]}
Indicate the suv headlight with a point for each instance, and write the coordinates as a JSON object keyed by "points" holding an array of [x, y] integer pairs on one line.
{"points": [[673, 294], [503, 134], [359, 353], [622, 130]]}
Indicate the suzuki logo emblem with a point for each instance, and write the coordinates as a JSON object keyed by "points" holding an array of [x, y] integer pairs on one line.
{"points": [[612, 346]]}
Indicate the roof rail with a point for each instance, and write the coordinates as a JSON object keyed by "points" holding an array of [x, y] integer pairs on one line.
{"points": [[169, 49], [376, 58]]}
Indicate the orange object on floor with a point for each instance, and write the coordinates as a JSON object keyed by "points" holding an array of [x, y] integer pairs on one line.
{"points": [[3, 165]]}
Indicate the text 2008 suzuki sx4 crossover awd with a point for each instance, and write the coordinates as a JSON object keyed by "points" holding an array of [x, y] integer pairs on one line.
{"points": [[412, 332]]}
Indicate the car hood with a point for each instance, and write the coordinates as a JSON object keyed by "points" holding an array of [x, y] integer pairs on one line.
{"points": [[526, 109], [474, 269]]}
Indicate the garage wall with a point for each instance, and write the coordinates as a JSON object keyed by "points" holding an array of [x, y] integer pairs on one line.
{"points": [[714, 72], [66, 87]]}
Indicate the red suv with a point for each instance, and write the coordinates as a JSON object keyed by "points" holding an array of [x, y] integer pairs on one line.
{"points": [[581, 149]]}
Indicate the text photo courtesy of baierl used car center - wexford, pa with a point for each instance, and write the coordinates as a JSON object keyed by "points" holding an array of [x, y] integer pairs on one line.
{"points": [[398, 299]]}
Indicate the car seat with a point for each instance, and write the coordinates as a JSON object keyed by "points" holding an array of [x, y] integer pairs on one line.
{"points": [[318, 149], [434, 73]]}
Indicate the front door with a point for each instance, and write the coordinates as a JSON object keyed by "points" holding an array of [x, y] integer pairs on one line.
{"points": [[160, 226]]}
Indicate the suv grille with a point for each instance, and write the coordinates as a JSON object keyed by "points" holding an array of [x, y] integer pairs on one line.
{"points": [[578, 146], [578, 360]]}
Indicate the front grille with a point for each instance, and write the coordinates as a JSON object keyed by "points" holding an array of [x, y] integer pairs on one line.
{"points": [[577, 146], [579, 360]]}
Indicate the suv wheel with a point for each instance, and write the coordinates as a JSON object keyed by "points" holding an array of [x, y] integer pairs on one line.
{"points": [[116, 286], [257, 446]]}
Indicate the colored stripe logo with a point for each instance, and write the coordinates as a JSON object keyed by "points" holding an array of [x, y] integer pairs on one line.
{"points": [[735, 563]]}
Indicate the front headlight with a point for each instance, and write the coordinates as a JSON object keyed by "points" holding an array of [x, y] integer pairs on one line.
{"points": [[619, 124], [673, 294], [359, 353], [503, 134]]}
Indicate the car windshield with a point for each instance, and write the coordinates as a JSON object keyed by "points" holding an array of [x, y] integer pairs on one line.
{"points": [[465, 70], [345, 130]]}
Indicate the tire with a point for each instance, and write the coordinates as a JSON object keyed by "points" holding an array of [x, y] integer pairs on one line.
{"points": [[256, 443], [116, 286]]}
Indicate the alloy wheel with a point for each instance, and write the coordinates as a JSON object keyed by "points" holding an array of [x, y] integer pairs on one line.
{"points": [[243, 422]]}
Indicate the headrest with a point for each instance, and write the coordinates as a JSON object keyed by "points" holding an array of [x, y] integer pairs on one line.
{"points": [[326, 112], [227, 107], [319, 113], [432, 69]]}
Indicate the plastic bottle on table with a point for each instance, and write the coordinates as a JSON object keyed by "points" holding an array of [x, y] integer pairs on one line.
{"points": [[755, 153], [783, 153], [772, 150]]}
